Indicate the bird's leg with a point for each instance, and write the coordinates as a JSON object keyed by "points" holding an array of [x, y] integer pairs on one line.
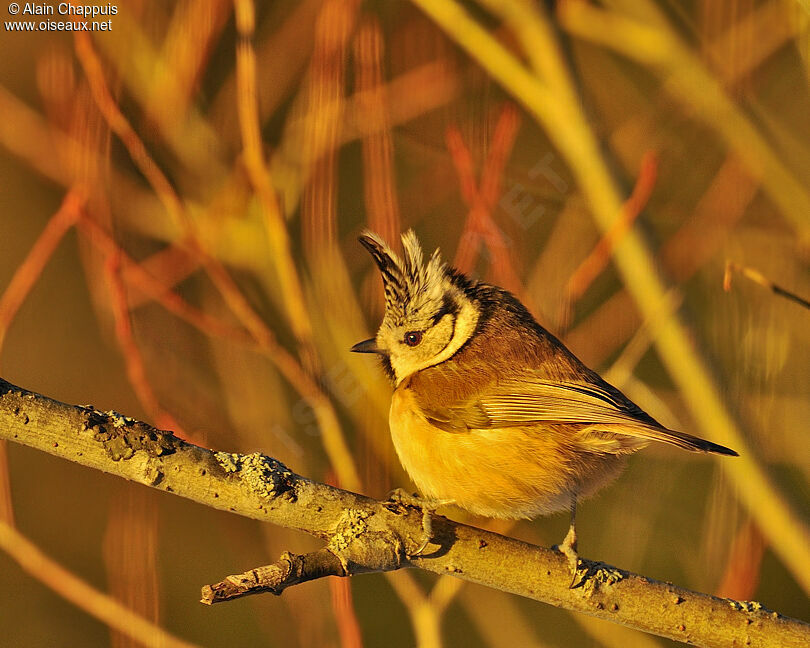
{"points": [[568, 547], [428, 508]]}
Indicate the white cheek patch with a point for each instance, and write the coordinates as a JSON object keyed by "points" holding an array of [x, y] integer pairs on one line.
{"points": [[466, 321]]}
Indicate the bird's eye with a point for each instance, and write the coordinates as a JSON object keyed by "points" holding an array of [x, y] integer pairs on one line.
{"points": [[412, 338]]}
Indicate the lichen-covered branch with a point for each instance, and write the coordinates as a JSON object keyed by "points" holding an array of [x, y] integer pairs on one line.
{"points": [[364, 535]]}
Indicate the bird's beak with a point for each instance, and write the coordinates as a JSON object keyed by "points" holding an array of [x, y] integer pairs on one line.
{"points": [[368, 346]]}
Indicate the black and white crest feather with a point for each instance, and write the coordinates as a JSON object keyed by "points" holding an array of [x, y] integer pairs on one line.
{"points": [[412, 287]]}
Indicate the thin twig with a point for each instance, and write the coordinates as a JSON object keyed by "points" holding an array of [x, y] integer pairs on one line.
{"points": [[120, 125], [351, 635], [595, 262], [380, 190], [481, 198], [253, 157], [136, 369], [28, 272], [139, 277], [744, 567], [757, 277]]}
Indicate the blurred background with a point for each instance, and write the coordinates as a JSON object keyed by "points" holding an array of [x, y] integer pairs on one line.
{"points": [[180, 201]]}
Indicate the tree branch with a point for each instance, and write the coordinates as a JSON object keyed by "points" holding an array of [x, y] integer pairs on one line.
{"points": [[290, 569], [364, 535]]}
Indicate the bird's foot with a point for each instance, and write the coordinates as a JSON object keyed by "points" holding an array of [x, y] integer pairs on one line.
{"points": [[568, 547], [428, 508]]}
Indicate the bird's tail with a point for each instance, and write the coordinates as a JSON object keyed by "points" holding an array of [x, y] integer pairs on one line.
{"points": [[682, 440]]}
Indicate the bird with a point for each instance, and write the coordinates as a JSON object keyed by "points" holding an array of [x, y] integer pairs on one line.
{"points": [[491, 412]]}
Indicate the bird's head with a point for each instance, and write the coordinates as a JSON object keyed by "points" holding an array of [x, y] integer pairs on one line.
{"points": [[429, 314]]}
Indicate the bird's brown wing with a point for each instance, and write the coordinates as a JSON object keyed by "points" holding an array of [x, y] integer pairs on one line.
{"points": [[601, 410]]}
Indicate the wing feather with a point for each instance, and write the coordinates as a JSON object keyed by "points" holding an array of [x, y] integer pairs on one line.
{"points": [[599, 408]]}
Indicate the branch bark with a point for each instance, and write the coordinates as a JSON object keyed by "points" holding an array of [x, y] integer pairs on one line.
{"points": [[364, 535]]}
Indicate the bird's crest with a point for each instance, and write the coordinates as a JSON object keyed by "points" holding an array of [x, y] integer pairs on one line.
{"points": [[412, 286]]}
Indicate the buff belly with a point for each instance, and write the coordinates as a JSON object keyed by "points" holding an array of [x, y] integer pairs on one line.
{"points": [[513, 472]]}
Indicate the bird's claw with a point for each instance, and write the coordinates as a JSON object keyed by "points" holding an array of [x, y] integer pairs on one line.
{"points": [[427, 530], [428, 508], [568, 547]]}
